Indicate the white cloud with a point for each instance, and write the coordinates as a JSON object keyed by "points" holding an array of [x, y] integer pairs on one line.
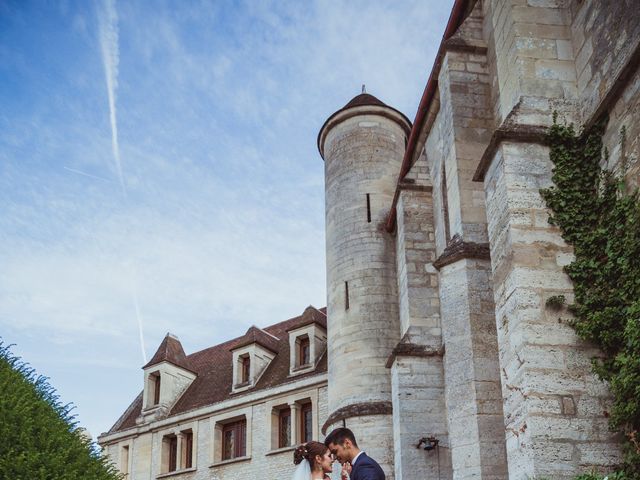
{"points": [[218, 108]]}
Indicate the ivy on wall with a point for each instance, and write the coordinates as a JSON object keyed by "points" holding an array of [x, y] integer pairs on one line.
{"points": [[602, 223]]}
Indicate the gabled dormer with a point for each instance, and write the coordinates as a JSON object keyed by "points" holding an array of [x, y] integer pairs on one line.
{"points": [[166, 376], [251, 357], [307, 342]]}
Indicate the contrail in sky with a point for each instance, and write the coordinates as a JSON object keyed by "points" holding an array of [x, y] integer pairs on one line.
{"points": [[108, 26], [139, 317], [86, 174], [108, 21]]}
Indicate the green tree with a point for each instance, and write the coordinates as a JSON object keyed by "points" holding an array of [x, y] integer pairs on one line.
{"points": [[39, 438]]}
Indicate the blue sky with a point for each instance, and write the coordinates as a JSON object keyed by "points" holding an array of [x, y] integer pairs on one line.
{"points": [[205, 213]]}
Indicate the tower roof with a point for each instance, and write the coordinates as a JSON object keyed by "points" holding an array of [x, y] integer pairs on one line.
{"points": [[170, 350], [362, 100]]}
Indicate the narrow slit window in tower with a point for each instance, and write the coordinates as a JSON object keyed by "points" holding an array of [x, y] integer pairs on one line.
{"points": [[368, 208], [346, 295], [445, 206]]}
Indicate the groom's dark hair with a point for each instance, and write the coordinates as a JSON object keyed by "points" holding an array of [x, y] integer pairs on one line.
{"points": [[339, 435]]}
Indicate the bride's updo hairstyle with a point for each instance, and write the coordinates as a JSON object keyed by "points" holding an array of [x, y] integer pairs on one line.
{"points": [[308, 451]]}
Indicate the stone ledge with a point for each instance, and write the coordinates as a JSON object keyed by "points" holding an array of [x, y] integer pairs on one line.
{"points": [[512, 132], [408, 349], [457, 249], [231, 460], [461, 45], [409, 184], [538, 133], [358, 410], [280, 450], [176, 472]]}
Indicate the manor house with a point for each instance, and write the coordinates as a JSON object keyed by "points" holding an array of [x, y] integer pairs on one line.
{"points": [[440, 261]]}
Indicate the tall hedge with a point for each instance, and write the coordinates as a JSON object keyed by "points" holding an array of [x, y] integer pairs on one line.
{"points": [[39, 438]]}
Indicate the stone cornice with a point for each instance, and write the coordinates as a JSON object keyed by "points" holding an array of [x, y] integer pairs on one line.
{"points": [[408, 349], [456, 44], [358, 410], [408, 184], [231, 404], [357, 111], [511, 132], [457, 249], [537, 133]]}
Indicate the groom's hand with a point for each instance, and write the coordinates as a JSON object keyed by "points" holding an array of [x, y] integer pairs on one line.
{"points": [[346, 471]]}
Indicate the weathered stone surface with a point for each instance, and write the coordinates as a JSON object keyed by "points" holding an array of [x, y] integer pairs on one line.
{"points": [[362, 156]]}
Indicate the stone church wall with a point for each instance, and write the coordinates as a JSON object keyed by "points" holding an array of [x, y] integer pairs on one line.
{"points": [[606, 46]]}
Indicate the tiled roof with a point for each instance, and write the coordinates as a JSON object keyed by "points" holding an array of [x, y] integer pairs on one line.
{"points": [[361, 100], [214, 369], [170, 350], [364, 99], [259, 336]]}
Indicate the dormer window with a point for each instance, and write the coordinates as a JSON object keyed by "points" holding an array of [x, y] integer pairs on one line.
{"points": [[166, 377], [304, 351], [307, 344], [245, 369], [153, 387], [156, 387], [251, 358]]}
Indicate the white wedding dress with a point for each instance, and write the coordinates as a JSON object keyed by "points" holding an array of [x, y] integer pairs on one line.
{"points": [[303, 472]]}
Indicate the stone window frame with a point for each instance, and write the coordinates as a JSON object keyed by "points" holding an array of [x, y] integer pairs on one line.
{"points": [[170, 451], [317, 345], [238, 447], [303, 342], [245, 368], [125, 465], [216, 425], [294, 402], [187, 448], [304, 408], [284, 414], [180, 432], [173, 384], [259, 359], [153, 389]]}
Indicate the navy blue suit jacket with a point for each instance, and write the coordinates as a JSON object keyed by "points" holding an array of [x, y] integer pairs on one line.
{"points": [[366, 468]]}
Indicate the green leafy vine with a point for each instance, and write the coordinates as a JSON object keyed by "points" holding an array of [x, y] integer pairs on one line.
{"points": [[601, 221]]}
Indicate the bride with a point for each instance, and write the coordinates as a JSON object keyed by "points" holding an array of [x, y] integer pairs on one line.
{"points": [[313, 460]]}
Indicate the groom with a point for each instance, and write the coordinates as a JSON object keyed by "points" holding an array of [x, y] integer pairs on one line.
{"points": [[355, 462]]}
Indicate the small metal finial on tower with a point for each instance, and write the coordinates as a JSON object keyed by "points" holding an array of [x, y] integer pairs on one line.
{"points": [[364, 90]]}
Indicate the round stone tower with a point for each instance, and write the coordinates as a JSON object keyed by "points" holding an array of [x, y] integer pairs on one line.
{"points": [[362, 145]]}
